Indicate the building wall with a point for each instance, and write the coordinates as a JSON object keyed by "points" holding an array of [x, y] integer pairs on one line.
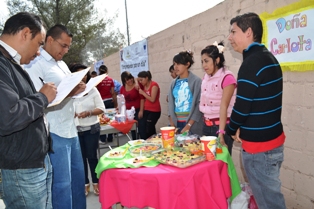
{"points": [[297, 172]]}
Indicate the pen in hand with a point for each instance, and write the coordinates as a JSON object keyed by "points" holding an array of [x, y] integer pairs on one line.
{"points": [[42, 80]]}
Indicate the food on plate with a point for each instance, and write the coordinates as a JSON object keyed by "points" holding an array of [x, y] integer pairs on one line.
{"points": [[118, 154], [103, 120], [137, 161], [136, 142], [142, 159], [115, 154], [155, 139], [178, 157], [193, 146], [144, 149]]}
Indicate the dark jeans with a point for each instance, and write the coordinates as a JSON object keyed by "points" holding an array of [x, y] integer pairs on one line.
{"points": [[212, 130], [89, 146], [140, 129], [180, 126], [148, 123], [108, 104]]}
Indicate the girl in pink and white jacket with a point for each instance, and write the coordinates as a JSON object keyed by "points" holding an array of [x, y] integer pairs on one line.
{"points": [[217, 94]]}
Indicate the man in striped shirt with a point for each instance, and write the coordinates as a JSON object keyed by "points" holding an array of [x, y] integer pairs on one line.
{"points": [[256, 117]]}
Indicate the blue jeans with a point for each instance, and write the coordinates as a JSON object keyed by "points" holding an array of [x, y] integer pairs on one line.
{"points": [[180, 126], [27, 188], [68, 185], [212, 130], [262, 170], [89, 146]]}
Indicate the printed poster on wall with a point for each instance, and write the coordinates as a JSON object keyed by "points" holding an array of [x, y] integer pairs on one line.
{"points": [[97, 65], [288, 34], [134, 58]]}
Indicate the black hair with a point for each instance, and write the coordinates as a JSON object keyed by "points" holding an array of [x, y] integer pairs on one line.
{"points": [[250, 20], [56, 31], [145, 74], [126, 75], [171, 68], [93, 73], [183, 58], [76, 67], [22, 20], [103, 69], [213, 52]]}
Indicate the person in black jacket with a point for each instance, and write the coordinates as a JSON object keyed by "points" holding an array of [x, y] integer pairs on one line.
{"points": [[256, 117], [25, 169]]}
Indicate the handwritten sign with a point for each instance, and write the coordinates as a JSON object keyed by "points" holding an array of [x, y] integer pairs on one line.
{"points": [[289, 36]]}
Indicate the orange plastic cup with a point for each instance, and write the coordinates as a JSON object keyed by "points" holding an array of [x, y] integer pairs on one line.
{"points": [[167, 136], [209, 147]]}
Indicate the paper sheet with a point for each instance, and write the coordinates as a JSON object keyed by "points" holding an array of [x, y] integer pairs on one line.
{"points": [[91, 83], [67, 85]]}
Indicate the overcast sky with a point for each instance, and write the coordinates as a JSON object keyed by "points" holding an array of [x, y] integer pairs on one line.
{"points": [[145, 17]]}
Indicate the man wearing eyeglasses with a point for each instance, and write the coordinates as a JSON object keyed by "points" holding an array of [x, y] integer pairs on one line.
{"points": [[68, 170]]}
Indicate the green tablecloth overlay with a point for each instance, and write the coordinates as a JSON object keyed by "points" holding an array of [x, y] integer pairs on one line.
{"points": [[234, 181], [105, 163]]}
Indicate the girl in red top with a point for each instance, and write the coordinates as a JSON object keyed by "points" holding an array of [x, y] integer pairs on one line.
{"points": [[106, 90], [133, 98], [152, 110]]}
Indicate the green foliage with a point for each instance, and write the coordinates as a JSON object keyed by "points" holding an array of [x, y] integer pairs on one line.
{"points": [[92, 34]]}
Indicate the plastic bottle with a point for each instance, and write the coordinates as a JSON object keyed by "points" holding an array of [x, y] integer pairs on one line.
{"points": [[219, 146], [123, 108], [120, 99]]}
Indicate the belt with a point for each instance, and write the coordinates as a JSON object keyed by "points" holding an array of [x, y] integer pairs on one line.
{"points": [[108, 99], [214, 121]]}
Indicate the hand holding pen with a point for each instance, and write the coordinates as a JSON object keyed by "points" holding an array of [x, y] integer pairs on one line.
{"points": [[49, 90]]}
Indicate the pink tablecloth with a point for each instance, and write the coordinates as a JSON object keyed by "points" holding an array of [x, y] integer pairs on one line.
{"points": [[205, 185]]}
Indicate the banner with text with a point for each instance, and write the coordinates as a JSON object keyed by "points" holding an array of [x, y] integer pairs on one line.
{"points": [[134, 58], [288, 34], [97, 65]]}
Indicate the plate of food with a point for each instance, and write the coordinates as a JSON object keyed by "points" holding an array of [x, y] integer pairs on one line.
{"points": [[103, 120], [111, 111], [137, 161], [136, 142], [115, 154], [145, 149]]}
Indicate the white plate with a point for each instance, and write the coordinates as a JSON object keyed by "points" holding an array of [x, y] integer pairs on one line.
{"points": [[120, 156], [136, 142], [111, 111], [137, 164]]}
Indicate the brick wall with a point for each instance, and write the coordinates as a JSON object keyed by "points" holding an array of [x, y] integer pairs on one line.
{"points": [[297, 173]]}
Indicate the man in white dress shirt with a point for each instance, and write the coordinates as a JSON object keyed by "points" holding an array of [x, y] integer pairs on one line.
{"points": [[68, 172]]}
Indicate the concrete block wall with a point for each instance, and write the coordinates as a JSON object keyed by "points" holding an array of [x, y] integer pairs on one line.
{"points": [[297, 173]]}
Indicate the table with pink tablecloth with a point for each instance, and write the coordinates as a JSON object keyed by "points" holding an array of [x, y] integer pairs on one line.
{"points": [[202, 186]]}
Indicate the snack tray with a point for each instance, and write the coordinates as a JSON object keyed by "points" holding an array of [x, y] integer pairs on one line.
{"points": [[178, 157], [191, 146]]}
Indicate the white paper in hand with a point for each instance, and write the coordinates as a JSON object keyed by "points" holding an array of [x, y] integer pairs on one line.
{"points": [[67, 85], [91, 83]]}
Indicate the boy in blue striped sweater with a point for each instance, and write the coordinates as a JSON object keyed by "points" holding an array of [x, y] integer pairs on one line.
{"points": [[256, 117]]}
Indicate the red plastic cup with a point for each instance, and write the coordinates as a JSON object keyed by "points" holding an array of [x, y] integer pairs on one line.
{"points": [[209, 147], [167, 136]]}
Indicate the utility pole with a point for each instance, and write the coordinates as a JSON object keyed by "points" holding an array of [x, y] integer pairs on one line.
{"points": [[127, 24]]}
